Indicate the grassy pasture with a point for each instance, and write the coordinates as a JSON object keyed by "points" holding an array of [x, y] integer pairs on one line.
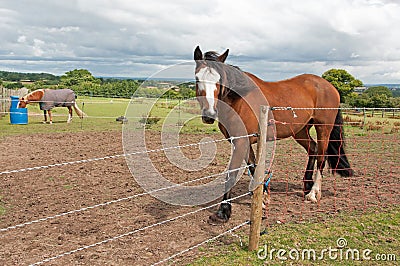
{"points": [[102, 114], [378, 231]]}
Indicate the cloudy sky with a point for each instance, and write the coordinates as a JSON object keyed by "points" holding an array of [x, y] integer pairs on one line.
{"points": [[274, 39]]}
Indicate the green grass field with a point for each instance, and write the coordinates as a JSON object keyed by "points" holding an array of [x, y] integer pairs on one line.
{"points": [[102, 114], [377, 231]]}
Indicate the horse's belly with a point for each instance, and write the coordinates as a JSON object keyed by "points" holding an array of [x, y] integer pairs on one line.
{"points": [[291, 124]]}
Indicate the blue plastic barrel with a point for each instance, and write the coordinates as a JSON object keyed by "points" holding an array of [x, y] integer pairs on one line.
{"points": [[18, 116], [14, 102]]}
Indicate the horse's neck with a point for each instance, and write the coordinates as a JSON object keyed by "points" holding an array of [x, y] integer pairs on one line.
{"points": [[36, 95]]}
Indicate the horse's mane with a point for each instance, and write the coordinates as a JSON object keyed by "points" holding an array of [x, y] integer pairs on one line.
{"points": [[237, 84]]}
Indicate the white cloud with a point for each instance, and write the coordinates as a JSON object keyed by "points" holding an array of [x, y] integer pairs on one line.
{"points": [[21, 39], [63, 29], [37, 47]]}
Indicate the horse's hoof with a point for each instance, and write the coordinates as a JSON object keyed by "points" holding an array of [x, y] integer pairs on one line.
{"points": [[216, 220], [310, 197]]}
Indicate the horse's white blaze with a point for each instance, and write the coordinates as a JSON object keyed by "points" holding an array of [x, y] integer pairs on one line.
{"points": [[207, 81]]}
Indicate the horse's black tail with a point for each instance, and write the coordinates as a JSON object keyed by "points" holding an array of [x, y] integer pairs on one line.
{"points": [[336, 156]]}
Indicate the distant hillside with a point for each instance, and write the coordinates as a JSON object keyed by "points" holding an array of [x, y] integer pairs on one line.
{"points": [[390, 86], [15, 76], [395, 88]]}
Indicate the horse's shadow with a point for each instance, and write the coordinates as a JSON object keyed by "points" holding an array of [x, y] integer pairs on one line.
{"points": [[47, 123], [161, 211]]}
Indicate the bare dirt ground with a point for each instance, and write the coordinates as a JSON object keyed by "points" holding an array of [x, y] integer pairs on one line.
{"points": [[32, 195]]}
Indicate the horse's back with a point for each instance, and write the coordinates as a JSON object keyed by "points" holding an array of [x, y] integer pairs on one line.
{"points": [[303, 91], [326, 95], [57, 98], [309, 96]]}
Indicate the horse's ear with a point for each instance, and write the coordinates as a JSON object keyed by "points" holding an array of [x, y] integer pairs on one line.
{"points": [[198, 54], [223, 57]]}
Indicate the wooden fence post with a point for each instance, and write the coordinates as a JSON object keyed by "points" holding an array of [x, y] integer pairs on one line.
{"points": [[256, 202]]}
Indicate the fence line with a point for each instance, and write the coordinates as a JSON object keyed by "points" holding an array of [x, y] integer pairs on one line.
{"points": [[121, 199], [363, 110], [90, 116], [288, 108], [273, 108], [123, 155], [201, 243], [124, 100], [135, 231]]}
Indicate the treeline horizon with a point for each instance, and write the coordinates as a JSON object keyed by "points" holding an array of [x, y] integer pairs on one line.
{"points": [[85, 84]]}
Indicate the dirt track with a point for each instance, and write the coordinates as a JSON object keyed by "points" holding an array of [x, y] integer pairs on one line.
{"points": [[32, 195]]}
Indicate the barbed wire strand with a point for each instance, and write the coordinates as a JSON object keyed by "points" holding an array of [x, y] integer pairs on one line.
{"points": [[288, 108], [135, 231], [278, 108], [201, 243], [122, 155], [120, 200], [274, 108], [183, 110], [93, 116]]}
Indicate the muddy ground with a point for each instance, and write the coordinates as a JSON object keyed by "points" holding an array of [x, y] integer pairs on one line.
{"points": [[32, 195]]}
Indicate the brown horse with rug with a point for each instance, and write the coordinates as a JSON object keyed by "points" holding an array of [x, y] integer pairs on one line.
{"points": [[48, 99], [234, 97]]}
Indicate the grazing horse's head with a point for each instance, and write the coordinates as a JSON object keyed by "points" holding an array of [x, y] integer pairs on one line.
{"points": [[31, 97], [208, 82]]}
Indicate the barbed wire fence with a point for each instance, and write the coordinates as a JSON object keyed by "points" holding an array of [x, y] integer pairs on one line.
{"points": [[372, 147], [370, 143], [73, 212]]}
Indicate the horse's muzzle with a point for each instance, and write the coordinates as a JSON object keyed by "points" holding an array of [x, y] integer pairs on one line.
{"points": [[208, 118]]}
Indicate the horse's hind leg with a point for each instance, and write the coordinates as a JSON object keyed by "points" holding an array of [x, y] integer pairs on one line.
{"points": [[304, 139], [69, 114], [50, 117]]}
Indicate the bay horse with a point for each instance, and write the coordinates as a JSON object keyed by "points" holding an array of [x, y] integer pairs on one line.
{"points": [[48, 99], [234, 97]]}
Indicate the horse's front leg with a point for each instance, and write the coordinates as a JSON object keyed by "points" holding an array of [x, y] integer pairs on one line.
{"points": [[240, 153]]}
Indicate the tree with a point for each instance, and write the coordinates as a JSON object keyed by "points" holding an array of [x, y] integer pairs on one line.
{"points": [[186, 92], [14, 85], [78, 77], [80, 81], [379, 90], [343, 81], [374, 97]]}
